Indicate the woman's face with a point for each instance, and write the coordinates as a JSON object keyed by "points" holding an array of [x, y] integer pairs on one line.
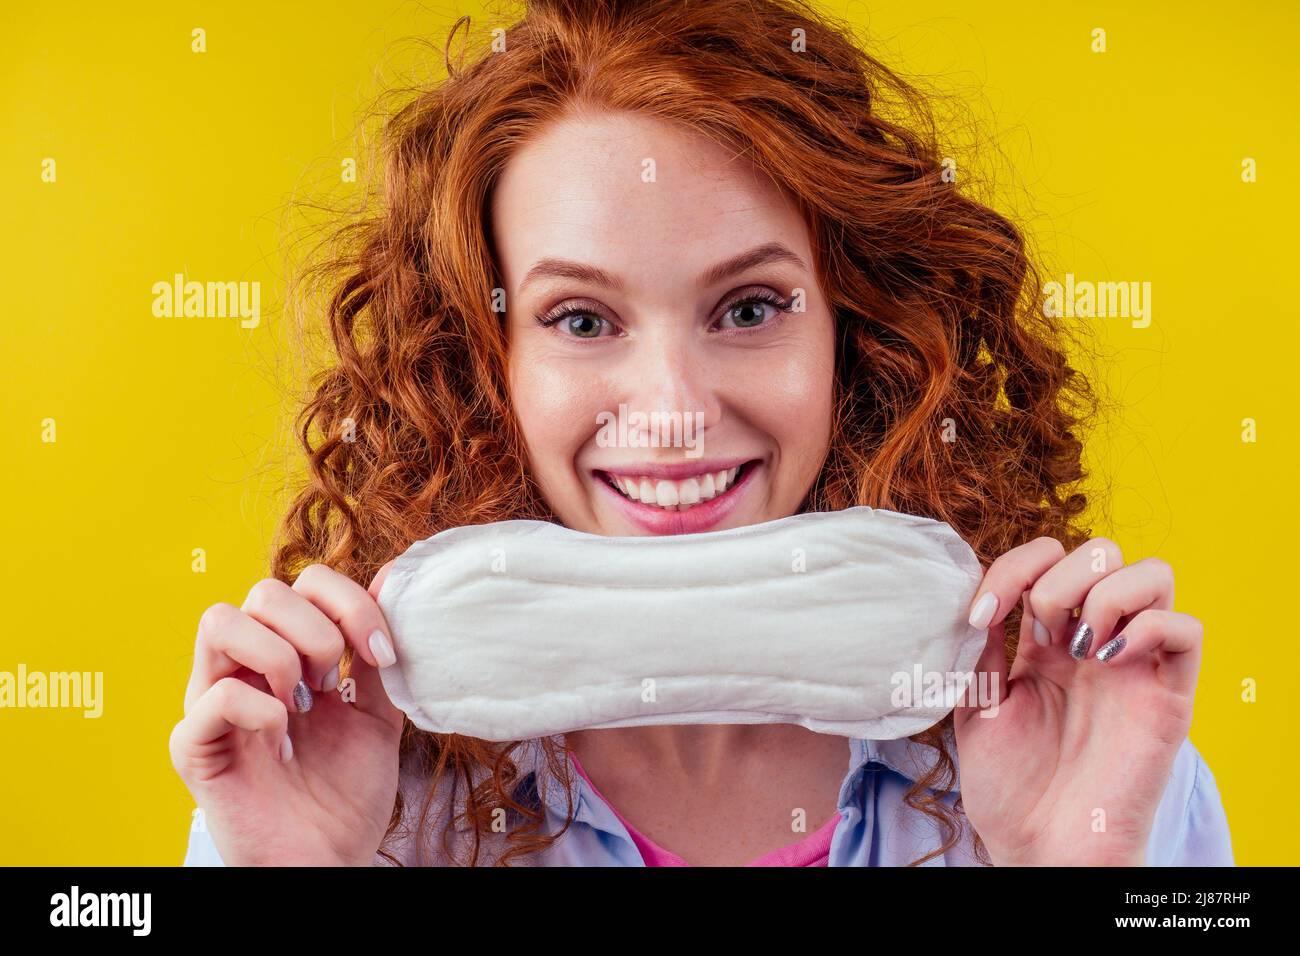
{"points": [[676, 386]]}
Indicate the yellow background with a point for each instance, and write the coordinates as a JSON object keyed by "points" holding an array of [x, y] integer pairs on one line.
{"points": [[171, 433]]}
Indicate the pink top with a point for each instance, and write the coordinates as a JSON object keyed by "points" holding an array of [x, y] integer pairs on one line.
{"points": [[812, 850]]}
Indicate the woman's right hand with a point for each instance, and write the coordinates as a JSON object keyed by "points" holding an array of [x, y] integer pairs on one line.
{"points": [[278, 787]]}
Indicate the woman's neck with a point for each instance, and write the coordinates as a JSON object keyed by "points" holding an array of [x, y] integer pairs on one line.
{"points": [[708, 754]]}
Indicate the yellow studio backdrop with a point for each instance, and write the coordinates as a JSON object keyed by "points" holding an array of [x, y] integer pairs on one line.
{"points": [[146, 459]]}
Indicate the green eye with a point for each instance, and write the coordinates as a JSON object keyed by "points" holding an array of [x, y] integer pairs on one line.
{"points": [[753, 310], [577, 322], [584, 325], [746, 314]]}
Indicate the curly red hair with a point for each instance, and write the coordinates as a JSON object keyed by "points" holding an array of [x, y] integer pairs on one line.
{"points": [[408, 429]]}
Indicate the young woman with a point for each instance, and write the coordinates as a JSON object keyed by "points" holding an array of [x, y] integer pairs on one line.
{"points": [[697, 208]]}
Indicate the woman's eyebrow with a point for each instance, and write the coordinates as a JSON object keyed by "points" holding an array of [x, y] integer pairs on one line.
{"points": [[758, 256], [571, 269]]}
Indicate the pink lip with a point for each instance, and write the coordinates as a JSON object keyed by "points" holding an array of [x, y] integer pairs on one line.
{"points": [[699, 517]]}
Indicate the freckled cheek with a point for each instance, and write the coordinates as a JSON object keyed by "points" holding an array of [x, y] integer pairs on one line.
{"points": [[791, 398], [557, 406]]}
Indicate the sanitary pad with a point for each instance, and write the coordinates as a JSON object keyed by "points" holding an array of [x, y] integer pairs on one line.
{"points": [[843, 622]]}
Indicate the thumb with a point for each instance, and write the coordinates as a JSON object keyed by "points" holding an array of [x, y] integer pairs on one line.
{"points": [[988, 686], [377, 584]]}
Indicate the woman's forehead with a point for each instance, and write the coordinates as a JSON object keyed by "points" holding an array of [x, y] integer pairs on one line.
{"points": [[627, 192]]}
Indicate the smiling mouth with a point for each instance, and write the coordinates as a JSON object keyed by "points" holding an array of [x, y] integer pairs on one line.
{"points": [[680, 495]]}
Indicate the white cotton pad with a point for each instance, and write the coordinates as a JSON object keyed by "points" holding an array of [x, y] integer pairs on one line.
{"points": [[836, 621]]}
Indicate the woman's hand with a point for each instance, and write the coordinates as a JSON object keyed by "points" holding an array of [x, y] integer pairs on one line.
{"points": [[279, 787], [1071, 764]]}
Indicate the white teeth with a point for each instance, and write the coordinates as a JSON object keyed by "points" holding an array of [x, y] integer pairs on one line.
{"points": [[676, 495], [666, 493]]}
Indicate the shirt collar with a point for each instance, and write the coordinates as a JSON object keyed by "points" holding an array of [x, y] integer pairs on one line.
{"points": [[912, 759]]}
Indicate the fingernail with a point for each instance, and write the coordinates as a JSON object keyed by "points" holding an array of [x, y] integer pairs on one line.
{"points": [[382, 649], [984, 609], [331, 680], [1041, 634], [1111, 648], [1081, 641], [302, 697], [286, 749]]}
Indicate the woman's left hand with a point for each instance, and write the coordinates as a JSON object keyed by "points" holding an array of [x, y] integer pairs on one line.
{"points": [[1067, 761]]}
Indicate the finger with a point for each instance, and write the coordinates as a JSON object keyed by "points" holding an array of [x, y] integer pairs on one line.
{"points": [[301, 623], [1147, 584], [229, 639], [362, 623], [352, 609], [377, 584], [1060, 590], [368, 684], [987, 689], [227, 705], [1010, 575], [1031, 628], [1177, 637], [1033, 638]]}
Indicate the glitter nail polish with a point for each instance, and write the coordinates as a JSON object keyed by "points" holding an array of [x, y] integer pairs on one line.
{"points": [[1081, 641], [1111, 648], [302, 697]]}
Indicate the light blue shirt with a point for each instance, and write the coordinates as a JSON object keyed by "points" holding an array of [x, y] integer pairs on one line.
{"points": [[876, 827]]}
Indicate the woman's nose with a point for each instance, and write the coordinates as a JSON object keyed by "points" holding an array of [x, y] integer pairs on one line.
{"points": [[670, 377]]}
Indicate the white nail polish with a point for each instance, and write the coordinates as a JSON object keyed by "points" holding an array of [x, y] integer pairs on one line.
{"points": [[984, 610], [331, 680], [382, 649], [1041, 634], [286, 749]]}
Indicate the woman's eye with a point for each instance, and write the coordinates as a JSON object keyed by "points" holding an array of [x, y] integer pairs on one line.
{"points": [[584, 325], [580, 325], [748, 313]]}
